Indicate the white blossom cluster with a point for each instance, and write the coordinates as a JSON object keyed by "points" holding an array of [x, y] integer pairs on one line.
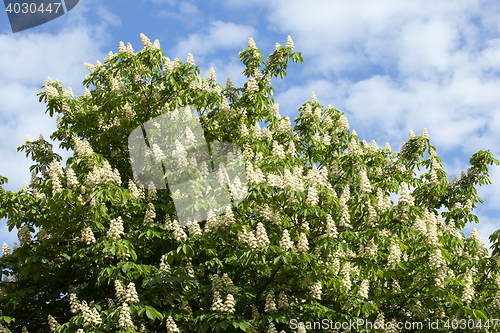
{"points": [[331, 228], [185, 306], [24, 234], [468, 205], [384, 233], [228, 283], [26, 190], [405, 196], [129, 113], [432, 231], [128, 295], [476, 238], [268, 214], [217, 288], [256, 132], [82, 148], [103, 174], [55, 171], [125, 320], [469, 292], [364, 288], [293, 181], [436, 259], [346, 283], [180, 154], [149, 215], [316, 291], [115, 230], [285, 125], [194, 228], [151, 191], [262, 238], [394, 253], [117, 84], [237, 190], [420, 225], [303, 243], [53, 324], [344, 209], [170, 66], [283, 300], [275, 180], [244, 129], [312, 196], [254, 240], [307, 111], [496, 301], [252, 86], [278, 151], [190, 60], [164, 266], [353, 147], [365, 182], [158, 153], [88, 236], [371, 249], [89, 316], [213, 221], [270, 303], [50, 90], [135, 192], [147, 44], [72, 180], [171, 326], [317, 177], [5, 249], [286, 243], [178, 231]]}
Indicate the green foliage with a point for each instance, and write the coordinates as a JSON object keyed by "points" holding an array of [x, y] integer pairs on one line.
{"points": [[419, 266]]}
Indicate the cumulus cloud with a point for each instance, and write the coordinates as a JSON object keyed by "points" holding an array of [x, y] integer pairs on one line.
{"points": [[218, 36], [437, 73], [170, 2], [187, 14], [26, 60]]}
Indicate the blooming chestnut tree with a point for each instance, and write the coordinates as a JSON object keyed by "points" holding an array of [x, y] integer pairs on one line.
{"points": [[315, 241]]}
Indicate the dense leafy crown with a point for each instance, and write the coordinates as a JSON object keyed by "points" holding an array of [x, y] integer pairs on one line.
{"points": [[316, 240]]}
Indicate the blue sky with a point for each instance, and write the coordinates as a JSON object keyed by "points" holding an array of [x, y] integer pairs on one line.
{"points": [[391, 66]]}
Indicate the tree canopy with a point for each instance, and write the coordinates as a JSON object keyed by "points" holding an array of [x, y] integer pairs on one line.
{"points": [[310, 235]]}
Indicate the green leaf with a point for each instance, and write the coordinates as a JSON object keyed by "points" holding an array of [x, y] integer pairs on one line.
{"points": [[151, 312], [24, 273], [133, 254]]}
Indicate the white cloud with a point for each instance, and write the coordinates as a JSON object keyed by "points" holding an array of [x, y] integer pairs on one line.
{"points": [[170, 2], [218, 36], [187, 8], [187, 14], [108, 17], [26, 60]]}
